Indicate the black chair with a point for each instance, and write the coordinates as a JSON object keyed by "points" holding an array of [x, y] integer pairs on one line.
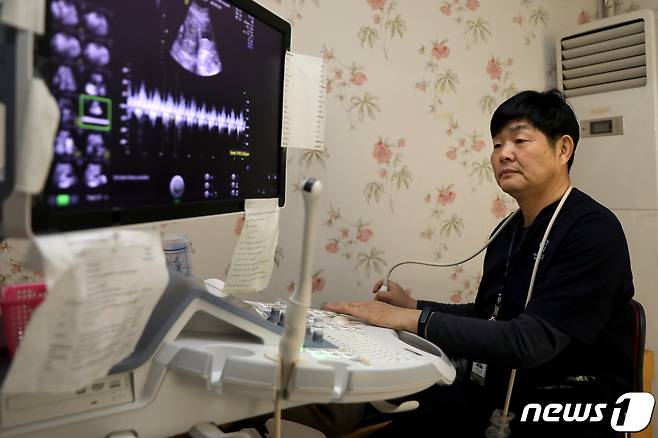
{"points": [[639, 336]]}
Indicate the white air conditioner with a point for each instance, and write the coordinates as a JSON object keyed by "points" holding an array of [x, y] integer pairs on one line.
{"points": [[607, 69]]}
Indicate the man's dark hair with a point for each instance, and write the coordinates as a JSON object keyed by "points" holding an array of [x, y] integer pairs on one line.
{"points": [[547, 111]]}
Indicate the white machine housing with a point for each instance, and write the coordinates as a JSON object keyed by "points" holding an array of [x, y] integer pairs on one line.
{"points": [[608, 71], [215, 363]]}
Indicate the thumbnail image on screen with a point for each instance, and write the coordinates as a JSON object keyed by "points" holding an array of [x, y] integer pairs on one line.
{"points": [[163, 102]]}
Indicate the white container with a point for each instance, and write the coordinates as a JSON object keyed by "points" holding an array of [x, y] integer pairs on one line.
{"points": [[176, 248]]}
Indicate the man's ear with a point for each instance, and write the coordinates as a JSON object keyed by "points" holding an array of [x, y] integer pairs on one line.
{"points": [[564, 148]]}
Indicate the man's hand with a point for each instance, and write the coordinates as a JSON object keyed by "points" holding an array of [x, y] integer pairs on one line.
{"points": [[395, 296], [378, 313]]}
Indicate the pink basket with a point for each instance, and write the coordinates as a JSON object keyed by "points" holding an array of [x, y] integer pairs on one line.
{"points": [[16, 304]]}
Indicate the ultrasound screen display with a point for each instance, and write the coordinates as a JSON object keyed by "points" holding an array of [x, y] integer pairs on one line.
{"points": [[165, 105]]}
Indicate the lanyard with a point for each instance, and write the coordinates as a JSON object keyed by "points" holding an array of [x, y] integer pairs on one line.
{"points": [[499, 298]]}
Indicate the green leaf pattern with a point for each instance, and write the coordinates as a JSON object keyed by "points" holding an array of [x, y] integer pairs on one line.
{"points": [[438, 80], [444, 223], [475, 28], [351, 240], [470, 151], [392, 174], [345, 83], [386, 25], [502, 87], [529, 19]]}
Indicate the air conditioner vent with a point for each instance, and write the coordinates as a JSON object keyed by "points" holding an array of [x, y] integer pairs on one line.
{"points": [[607, 59]]}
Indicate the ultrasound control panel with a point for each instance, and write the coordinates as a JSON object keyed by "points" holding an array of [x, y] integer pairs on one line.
{"points": [[362, 362], [354, 339]]}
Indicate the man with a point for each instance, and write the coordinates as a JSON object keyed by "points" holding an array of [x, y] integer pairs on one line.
{"points": [[572, 343]]}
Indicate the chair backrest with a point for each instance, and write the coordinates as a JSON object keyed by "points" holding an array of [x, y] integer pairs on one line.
{"points": [[639, 336]]}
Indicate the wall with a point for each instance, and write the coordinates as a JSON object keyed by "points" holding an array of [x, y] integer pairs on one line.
{"points": [[411, 87]]}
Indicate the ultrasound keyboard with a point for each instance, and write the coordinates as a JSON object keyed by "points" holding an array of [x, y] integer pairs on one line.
{"points": [[358, 362], [354, 340]]}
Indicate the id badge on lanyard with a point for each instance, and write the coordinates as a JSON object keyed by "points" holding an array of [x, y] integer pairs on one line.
{"points": [[479, 373], [479, 369]]}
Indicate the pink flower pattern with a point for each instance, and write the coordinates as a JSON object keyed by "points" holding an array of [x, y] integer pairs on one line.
{"points": [[472, 4], [427, 234], [529, 19], [358, 78], [467, 285], [332, 246], [498, 208], [317, 282], [584, 17], [443, 223], [477, 145], [377, 4], [502, 87], [466, 149], [345, 84], [493, 68], [381, 153], [387, 24], [463, 12], [446, 196], [354, 250], [440, 51], [393, 175], [364, 235], [440, 79]]}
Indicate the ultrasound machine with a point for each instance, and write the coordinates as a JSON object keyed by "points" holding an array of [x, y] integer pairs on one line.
{"points": [[172, 109]]}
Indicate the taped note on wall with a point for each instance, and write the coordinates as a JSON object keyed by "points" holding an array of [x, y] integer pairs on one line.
{"points": [[253, 258], [304, 100]]}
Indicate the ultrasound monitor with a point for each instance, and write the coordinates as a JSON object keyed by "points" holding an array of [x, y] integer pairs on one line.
{"points": [[169, 109]]}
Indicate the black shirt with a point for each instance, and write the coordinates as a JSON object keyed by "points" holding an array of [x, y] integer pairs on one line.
{"points": [[582, 290]]}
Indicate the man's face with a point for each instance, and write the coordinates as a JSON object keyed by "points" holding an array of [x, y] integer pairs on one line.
{"points": [[523, 160]]}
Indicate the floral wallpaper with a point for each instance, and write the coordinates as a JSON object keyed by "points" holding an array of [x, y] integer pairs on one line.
{"points": [[406, 175]]}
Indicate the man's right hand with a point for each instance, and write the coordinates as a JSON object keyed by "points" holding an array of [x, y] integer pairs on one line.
{"points": [[395, 296]]}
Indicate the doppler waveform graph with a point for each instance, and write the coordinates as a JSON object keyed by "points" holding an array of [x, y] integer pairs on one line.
{"points": [[153, 106]]}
